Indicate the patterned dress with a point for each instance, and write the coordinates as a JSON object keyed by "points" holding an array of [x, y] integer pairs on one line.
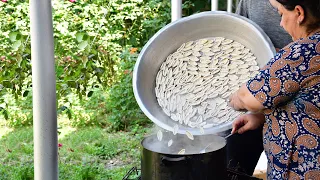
{"points": [[289, 88]]}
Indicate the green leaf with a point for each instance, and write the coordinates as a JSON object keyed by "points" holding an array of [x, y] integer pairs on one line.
{"points": [[7, 84], [72, 84], [25, 93], [85, 37], [13, 36], [5, 114], [18, 70], [83, 45], [18, 37], [79, 37], [61, 109], [69, 114], [90, 93], [16, 45], [80, 95]]}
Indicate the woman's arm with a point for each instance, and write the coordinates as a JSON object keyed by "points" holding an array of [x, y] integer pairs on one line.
{"points": [[244, 100]]}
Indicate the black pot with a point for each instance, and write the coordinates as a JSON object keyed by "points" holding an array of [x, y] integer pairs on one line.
{"points": [[160, 162]]}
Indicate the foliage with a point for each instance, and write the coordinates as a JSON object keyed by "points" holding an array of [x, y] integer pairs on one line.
{"points": [[85, 153], [195, 6], [22, 171], [88, 111], [92, 41], [20, 113], [89, 38], [121, 105]]}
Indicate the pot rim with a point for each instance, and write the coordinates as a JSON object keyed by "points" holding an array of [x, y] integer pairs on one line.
{"points": [[185, 154]]}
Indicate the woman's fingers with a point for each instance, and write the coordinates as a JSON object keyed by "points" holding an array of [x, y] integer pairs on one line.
{"points": [[247, 122], [244, 128], [237, 124], [233, 101]]}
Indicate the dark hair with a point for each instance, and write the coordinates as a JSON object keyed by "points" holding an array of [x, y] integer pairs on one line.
{"points": [[311, 8]]}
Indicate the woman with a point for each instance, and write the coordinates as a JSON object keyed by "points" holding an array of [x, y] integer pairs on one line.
{"points": [[285, 96], [263, 14], [244, 150]]}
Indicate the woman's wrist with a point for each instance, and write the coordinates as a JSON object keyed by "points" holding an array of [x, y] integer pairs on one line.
{"points": [[260, 116], [240, 99]]}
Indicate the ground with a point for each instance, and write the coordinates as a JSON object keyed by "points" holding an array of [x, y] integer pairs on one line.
{"points": [[84, 153]]}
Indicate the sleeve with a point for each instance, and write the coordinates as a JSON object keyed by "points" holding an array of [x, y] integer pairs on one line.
{"points": [[242, 8], [279, 81]]}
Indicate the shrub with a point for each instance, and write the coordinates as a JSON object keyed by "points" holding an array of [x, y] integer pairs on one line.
{"points": [[91, 42], [89, 36], [121, 104]]}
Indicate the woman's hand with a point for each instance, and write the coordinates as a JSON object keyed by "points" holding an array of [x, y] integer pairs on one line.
{"points": [[235, 102], [244, 100], [247, 122]]}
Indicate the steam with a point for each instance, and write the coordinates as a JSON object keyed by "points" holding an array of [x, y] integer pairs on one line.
{"points": [[181, 141]]}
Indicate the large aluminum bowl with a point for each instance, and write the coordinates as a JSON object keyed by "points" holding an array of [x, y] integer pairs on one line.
{"points": [[170, 37]]}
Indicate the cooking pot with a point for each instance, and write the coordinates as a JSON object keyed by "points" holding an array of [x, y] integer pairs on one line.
{"points": [[160, 162], [191, 28]]}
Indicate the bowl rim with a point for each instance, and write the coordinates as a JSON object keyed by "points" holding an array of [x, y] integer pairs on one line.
{"points": [[214, 129]]}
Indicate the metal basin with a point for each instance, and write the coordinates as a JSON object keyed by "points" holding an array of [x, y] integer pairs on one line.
{"points": [[170, 37]]}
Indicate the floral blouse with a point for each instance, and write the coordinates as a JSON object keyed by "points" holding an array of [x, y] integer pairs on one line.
{"points": [[289, 88]]}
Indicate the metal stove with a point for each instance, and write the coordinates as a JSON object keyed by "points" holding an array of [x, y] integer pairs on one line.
{"points": [[135, 174]]}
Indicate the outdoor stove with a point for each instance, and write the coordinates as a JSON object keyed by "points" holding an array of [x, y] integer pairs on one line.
{"points": [[135, 174], [160, 162]]}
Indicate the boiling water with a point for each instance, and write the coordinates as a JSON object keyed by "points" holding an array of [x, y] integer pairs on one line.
{"points": [[181, 141]]}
